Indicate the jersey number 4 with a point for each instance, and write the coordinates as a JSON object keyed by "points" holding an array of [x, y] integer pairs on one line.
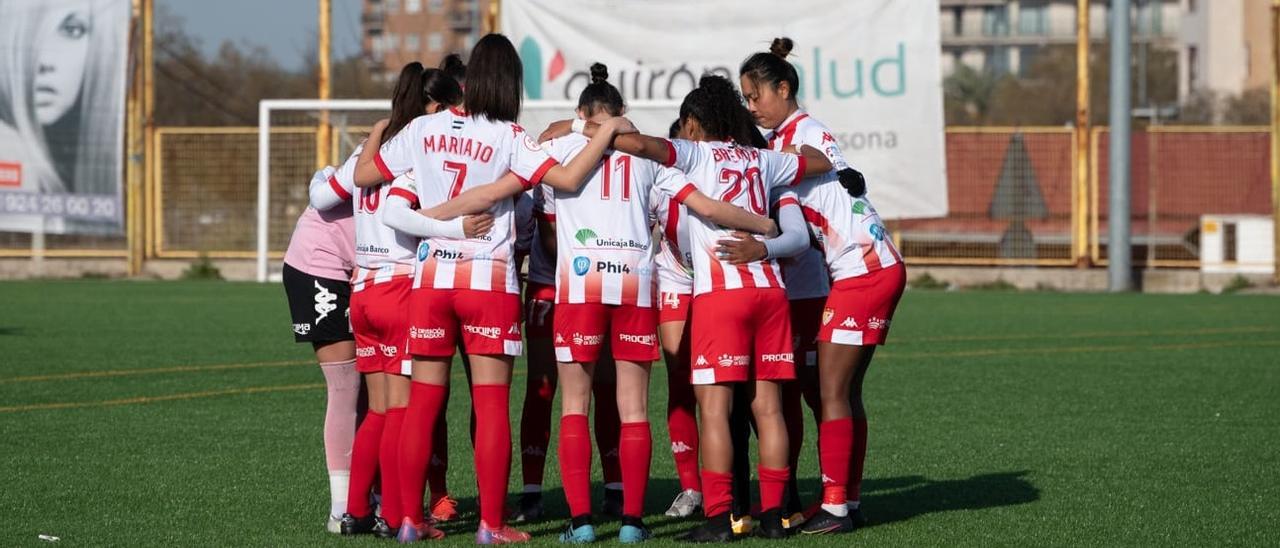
{"points": [[754, 187]]}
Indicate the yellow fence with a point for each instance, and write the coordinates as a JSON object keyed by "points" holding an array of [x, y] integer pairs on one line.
{"points": [[1010, 195]]}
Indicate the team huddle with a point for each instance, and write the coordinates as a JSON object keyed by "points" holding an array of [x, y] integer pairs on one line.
{"points": [[740, 248]]}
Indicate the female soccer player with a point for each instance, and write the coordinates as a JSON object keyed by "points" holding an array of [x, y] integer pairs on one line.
{"points": [[467, 287], [384, 268], [317, 270], [741, 331], [869, 279]]}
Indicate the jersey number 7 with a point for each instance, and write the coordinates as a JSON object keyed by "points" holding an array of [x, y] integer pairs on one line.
{"points": [[459, 171]]}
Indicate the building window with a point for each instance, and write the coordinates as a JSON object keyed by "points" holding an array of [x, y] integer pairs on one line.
{"points": [[1193, 68], [435, 6], [999, 63], [391, 41], [1026, 59], [393, 6], [995, 21], [411, 42], [957, 21], [435, 41], [1032, 20], [412, 6]]}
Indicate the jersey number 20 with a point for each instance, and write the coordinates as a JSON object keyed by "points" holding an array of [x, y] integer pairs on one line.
{"points": [[755, 188]]}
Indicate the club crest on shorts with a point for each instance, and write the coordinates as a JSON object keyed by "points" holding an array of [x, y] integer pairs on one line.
{"points": [[827, 314], [581, 265], [424, 249]]}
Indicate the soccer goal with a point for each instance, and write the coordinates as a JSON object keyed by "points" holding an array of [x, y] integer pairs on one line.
{"points": [[287, 152]]}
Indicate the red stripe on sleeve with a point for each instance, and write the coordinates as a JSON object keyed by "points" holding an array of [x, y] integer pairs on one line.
{"points": [[786, 200], [685, 192], [337, 189], [382, 168], [671, 155], [541, 172], [800, 167], [405, 194]]}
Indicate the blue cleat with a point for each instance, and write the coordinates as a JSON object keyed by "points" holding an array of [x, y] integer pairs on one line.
{"points": [[634, 534], [583, 534]]}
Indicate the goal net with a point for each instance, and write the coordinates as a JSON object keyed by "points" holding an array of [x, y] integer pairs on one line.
{"points": [[287, 135]]}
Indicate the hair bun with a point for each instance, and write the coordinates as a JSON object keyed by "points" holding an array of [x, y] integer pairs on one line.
{"points": [[452, 62], [599, 73], [715, 83], [781, 47]]}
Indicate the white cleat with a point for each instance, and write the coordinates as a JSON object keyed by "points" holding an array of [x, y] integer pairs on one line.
{"points": [[335, 525], [686, 503]]}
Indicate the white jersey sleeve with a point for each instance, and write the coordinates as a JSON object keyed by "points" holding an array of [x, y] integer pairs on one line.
{"points": [[781, 169]]}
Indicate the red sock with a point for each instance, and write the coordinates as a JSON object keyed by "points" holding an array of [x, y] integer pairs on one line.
{"points": [[493, 449], [635, 451], [425, 402], [717, 492], [389, 462], [575, 463], [364, 463], [834, 455], [608, 425], [859, 457], [773, 483], [683, 428], [438, 466], [535, 429]]}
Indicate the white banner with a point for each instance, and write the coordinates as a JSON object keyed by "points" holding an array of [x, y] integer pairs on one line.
{"points": [[869, 69], [62, 95]]}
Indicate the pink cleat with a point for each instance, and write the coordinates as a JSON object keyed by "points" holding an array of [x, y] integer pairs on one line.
{"points": [[500, 535], [409, 532]]}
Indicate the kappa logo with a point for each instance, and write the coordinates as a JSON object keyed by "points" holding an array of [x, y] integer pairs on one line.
{"points": [[702, 361], [827, 138], [849, 322], [581, 265], [486, 332], [302, 328], [324, 302], [559, 339], [515, 330], [877, 323], [827, 314], [827, 479], [678, 447]]}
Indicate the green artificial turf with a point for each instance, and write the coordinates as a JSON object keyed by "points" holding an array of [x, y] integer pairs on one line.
{"points": [[997, 418]]}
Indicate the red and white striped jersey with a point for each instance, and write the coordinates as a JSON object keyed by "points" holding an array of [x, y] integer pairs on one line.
{"points": [[382, 253], [674, 260], [806, 274], [451, 152], [542, 264], [742, 176], [604, 244], [852, 235]]}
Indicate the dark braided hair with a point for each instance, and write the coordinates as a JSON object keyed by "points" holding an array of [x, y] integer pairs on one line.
{"points": [[772, 67], [600, 94], [453, 66], [718, 108]]}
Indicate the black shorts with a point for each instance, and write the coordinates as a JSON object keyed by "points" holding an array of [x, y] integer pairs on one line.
{"points": [[320, 307]]}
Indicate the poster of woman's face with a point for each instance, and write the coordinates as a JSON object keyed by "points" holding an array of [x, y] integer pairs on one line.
{"points": [[62, 93]]}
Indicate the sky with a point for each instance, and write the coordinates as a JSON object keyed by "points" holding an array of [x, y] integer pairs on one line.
{"points": [[286, 28]]}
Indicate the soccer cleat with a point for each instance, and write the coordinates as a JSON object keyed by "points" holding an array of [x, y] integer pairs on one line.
{"points": [[824, 523], [855, 515], [770, 525], [384, 530], [334, 526], [351, 525], [634, 533], [529, 509], [741, 525], [714, 529], [793, 522], [612, 506], [444, 509], [686, 503], [409, 532], [583, 534], [500, 535]]}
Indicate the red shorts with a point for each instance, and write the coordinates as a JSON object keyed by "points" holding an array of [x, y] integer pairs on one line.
{"points": [[381, 325], [673, 307], [859, 309], [806, 320], [581, 329], [741, 335], [487, 321], [539, 309]]}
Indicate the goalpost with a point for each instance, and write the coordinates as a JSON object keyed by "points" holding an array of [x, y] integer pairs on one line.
{"points": [[286, 135]]}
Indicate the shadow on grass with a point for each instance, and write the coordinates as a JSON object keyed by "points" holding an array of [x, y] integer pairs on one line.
{"points": [[891, 500], [10, 331]]}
